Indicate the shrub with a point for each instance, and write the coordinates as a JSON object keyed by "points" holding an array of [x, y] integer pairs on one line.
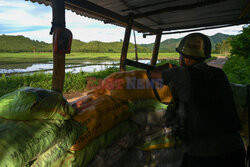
{"points": [[237, 69], [241, 43]]}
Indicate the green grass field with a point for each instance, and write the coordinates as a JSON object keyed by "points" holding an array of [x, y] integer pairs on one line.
{"points": [[75, 58], [73, 82]]}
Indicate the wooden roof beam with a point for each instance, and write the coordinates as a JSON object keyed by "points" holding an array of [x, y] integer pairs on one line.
{"points": [[245, 11], [180, 7], [192, 20], [199, 29], [238, 22]]}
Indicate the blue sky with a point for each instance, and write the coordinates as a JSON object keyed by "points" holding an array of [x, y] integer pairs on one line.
{"points": [[20, 17]]}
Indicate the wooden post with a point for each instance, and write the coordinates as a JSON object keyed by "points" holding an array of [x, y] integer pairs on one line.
{"points": [[58, 7], [156, 48], [126, 44], [136, 54]]}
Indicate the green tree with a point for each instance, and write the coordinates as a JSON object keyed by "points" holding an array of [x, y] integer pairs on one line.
{"points": [[241, 43], [237, 67], [223, 47]]}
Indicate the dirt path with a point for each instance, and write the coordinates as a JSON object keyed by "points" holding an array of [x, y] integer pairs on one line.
{"points": [[219, 62]]}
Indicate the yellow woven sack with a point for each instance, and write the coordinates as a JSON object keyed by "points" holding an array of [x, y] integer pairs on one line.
{"points": [[134, 85], [98, 113], [159, 143]]}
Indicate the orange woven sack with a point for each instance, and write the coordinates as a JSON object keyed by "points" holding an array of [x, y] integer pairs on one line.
{"points": [[98, 113], [135, 85]]}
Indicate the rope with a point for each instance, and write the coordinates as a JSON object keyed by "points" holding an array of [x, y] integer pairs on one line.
{"points": [[56, 24], [154, 87]]}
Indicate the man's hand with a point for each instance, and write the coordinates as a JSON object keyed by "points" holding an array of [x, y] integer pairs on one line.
{"points": [[156, 74], [165, 66]]}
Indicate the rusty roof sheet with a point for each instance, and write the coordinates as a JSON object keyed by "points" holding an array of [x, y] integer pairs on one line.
{"points": [[162, 15]]}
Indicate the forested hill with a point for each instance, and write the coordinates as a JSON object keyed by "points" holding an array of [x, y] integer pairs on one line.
{"points": [[23, 44], [169, 45]]}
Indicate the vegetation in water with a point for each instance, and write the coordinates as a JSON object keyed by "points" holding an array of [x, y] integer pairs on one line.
{"points": [[73, 58]]}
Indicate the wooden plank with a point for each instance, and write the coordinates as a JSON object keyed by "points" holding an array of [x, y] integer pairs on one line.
{"points": [[125, 45], [58, 8], [156, 49]]}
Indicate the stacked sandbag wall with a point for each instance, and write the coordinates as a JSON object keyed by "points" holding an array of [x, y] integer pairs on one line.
{"points": [[32, 121], [242, 100]]}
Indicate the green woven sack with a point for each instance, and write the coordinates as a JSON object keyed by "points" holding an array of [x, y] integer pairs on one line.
{"points": [[35, 103], [59, 149], [83, 157], [24, 141]]}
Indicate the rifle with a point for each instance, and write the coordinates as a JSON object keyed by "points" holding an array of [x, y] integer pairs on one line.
{"points": [[148, 68], [139, 65]]}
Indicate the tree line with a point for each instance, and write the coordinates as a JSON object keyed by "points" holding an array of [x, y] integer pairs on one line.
{"points": [[15, 44], [220, 44]]}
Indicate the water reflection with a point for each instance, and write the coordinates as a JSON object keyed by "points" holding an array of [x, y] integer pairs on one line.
{"points": [[88, 66]]}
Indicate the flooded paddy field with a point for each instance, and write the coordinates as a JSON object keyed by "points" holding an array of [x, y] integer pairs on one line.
{"points": [[17, 63]]}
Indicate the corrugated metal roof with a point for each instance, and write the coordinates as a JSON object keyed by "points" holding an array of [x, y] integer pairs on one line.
{"points": [[162, 15]]}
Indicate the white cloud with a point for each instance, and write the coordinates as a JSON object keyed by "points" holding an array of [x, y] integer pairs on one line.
{"points": [[15, 4], [27, 14], [41, 35]]}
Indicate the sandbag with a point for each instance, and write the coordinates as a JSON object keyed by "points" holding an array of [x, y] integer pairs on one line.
{"points": [[84, 156], [134, 85], [147, 112], [98, 113], [158, 146], [151, 114], [159, 143], [35, 103], [170, 157], [59, 149], [240, 99], [110, 155], [23, 141]]}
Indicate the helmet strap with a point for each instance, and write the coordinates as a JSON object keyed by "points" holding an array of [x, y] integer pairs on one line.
{"points": [[182, 61]]}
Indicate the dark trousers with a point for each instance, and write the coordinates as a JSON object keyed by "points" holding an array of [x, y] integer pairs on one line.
{"points": [[233, 159]]}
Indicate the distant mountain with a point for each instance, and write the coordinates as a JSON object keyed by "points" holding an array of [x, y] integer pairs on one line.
{"points": [[103, 47], [169, 45], [23, 44], [20, 43]]}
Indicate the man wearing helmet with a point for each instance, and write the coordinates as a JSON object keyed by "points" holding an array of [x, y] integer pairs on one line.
{"points": [[208, 121]]}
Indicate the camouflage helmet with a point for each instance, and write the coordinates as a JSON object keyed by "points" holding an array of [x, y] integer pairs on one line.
{"points": [[196, 46]]}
